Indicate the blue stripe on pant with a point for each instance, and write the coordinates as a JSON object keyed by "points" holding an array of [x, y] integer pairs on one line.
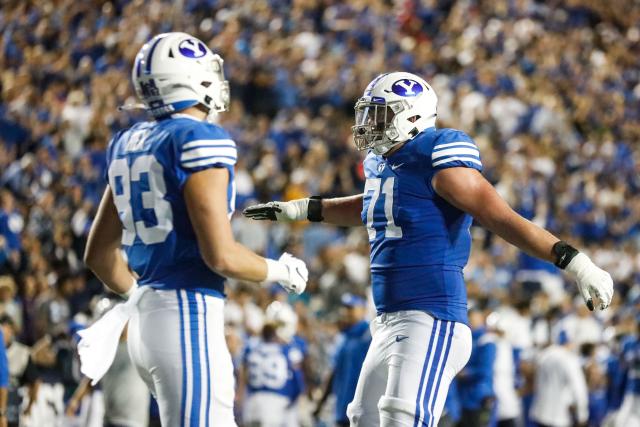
{"points": [[444, 364], [425, 403], [424, 371], [184, 360], [206, 353], [426, 419], [195, 354]]}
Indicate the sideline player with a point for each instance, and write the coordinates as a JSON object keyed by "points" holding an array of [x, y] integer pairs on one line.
{"points": [[348, 358], [629, 413], [423, 186], [272, 371], [168, 203]]}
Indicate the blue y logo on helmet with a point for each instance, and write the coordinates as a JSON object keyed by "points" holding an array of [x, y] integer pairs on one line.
{"points": [[407, 87], [192, 48]]}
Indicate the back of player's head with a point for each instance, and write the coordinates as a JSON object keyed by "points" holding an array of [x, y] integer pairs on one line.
{"points": [[174, 71], [283, 318], [394, 108]]}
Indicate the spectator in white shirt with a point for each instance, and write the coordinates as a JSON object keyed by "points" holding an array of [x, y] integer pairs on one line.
{"points": [[504, 379], [561, 397], [582, 326]]}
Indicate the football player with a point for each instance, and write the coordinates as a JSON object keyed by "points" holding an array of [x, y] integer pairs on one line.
{"points": [[629, 414], [272, 371], [168, 202], [423, 187]]}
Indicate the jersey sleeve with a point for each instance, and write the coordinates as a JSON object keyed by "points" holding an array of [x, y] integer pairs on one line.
{"points": [[455, 149], [204, 147], [4, 364]]}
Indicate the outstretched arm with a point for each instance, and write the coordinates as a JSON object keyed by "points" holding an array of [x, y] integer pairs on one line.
{"points": [[467, 190], [341, 211]]}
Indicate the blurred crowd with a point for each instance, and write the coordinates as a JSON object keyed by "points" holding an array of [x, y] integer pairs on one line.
{"points": [[550, 91]]}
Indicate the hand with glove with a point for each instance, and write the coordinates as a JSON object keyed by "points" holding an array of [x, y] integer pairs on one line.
{"points": [[290, 272], [295, 210], [593, 282]]}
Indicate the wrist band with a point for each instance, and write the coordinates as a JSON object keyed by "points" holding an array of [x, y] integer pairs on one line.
{"points": [[564, 253], [314, 210], [276, 271]]}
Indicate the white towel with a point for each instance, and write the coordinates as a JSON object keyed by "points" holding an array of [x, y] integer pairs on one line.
{"points": [[98, 343]]}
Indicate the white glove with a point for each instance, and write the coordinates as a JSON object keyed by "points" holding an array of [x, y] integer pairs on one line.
{"points": [[290, 272], [295, 210], [593, 282]]}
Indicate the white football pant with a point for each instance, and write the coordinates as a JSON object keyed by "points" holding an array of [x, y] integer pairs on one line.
{"points": [[629, 413], [176, 341], [267, 409], [408, 369]]}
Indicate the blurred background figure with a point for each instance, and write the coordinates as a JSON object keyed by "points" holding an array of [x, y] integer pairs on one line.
{"points": [[452, 413], [349, 356], [561, 396], [4, 381], [23, 374], [629, 414], [507, 403], [271, 378], [475, 381]]}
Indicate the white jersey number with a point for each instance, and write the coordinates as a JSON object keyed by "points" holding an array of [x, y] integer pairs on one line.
{"points": [[122, 179], [267, 370], [384, 186]]}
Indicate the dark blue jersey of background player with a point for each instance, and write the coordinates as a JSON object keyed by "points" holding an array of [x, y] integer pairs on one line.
{"points": [[631, 365], [273, 366]]}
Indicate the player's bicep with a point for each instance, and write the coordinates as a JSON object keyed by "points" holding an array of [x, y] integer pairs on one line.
{"points": [[205, 195], [469, 191]]}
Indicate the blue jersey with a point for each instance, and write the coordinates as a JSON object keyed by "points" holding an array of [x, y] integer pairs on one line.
{"points": [[148, 166], [274, 367], [452, 406], [419, 242], [348, 362], [631, 364], [475, 381], [4, 364]]}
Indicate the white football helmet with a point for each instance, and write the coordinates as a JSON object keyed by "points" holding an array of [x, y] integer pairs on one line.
{"points": [[395, 107], [174, 71], [285, 320]]}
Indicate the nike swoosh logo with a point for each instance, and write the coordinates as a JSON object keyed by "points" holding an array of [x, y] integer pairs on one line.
{"points": [[394, 167], [401, 338]]}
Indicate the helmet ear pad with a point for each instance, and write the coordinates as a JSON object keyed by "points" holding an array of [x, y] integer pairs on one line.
{"points": [[408, 124]]}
